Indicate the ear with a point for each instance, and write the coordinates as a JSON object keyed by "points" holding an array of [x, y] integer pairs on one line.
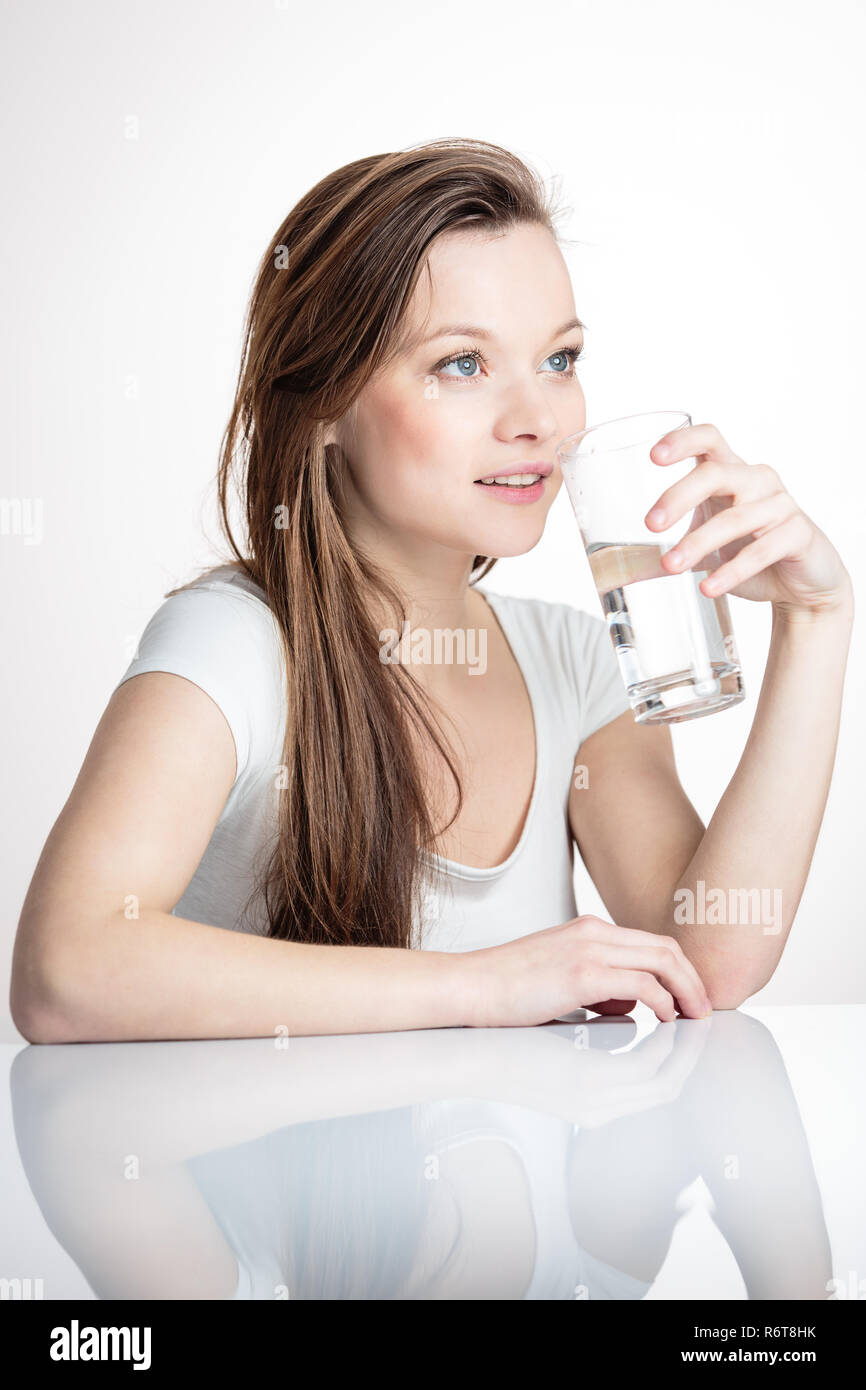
{"points": [[329, 436]]}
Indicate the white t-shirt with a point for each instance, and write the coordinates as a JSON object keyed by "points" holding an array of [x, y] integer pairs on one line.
{"points": [[222, 635]]}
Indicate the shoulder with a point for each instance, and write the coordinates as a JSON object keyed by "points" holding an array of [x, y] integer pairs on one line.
{"points": [[564, 629], [227, 582], [222, 597], [222, 617], [220, 633]]}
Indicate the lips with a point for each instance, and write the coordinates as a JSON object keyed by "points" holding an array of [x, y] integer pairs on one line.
{"points": [[516, 493], [509, 470]]}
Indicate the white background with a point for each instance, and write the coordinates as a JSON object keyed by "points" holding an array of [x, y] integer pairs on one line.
{"points": [[712, 155]]}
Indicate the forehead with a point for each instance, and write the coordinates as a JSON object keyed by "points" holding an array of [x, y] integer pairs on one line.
{"points": [[511, 282]]}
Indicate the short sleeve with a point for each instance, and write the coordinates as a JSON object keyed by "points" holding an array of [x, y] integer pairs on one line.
{"points": [[603, 695], [225, 642]]}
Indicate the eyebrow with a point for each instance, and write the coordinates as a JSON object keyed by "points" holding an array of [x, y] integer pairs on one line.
{"points": [[473, 330]]}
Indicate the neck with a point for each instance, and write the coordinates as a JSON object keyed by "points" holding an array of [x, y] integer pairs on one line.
{"points": [[433, 581], [441, 611]]}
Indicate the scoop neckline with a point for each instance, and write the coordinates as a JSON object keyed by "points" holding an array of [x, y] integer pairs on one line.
{"points": [[518, 649], [499, 605]]}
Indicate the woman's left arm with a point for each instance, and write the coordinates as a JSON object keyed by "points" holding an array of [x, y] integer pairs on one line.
{"points": [[732, 904]]}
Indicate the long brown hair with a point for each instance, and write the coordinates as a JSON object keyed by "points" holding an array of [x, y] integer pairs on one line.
{"points": [[326, 312]]}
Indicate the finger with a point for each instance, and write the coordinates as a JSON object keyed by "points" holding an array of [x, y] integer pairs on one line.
{"points": [[693, 441], [711, 478], [674, 971], [598, 929], [785, 542], [747, 519], [641, 984]]}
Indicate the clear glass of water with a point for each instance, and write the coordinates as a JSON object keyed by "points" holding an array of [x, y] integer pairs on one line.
{"points": [[675, 645]]}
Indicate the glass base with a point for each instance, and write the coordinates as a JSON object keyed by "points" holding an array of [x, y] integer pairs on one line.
{"points": [[673, 699]]}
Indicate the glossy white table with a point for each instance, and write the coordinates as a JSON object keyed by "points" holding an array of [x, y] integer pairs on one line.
{"points": [[603, 1160]]}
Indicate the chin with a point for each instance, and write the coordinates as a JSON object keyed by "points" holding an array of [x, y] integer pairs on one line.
{"points": [[509, 541]]}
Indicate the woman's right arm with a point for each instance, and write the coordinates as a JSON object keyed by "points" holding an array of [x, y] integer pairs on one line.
{"points": [[143, 808], [137, 822]]}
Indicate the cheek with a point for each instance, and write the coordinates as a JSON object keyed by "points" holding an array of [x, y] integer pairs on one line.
{"points": [[412, 443], [573, 420]]}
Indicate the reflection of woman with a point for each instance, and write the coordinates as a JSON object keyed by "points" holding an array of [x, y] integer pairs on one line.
{"points": [[267, 765], [433, 1164], [459, 1199]]}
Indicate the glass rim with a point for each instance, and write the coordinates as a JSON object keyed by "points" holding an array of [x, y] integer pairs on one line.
{"points": [[568, 444]]}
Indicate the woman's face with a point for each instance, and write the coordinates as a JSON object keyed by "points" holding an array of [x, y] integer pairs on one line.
{"points": [[424, 432]]}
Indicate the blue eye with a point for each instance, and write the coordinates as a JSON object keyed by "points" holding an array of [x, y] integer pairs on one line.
{"points": [[562, 359], [468, 360], [565, 359]]}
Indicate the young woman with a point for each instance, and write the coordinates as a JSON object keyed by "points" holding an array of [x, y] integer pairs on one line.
{"points": [[274, 809]]}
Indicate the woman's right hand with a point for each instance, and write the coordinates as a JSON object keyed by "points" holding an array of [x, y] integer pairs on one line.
{"points": [[585, 963]]}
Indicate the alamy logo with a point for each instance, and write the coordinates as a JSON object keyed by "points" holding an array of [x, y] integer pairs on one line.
{"points": [[22, 516], [21, 1288], [423, 646], [716, 907], [76, 1343]]}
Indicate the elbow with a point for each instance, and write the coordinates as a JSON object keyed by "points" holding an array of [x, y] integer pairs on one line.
{"points": [[38, 1001], [37, 1025], [725, 1000], [729, 994], [29, 1013]]}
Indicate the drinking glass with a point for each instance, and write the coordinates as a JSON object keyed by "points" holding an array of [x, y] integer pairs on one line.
{"points": [[675, 645]]}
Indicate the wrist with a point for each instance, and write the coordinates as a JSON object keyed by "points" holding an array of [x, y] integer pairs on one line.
{"points": [[467, 988], [839, 613]]}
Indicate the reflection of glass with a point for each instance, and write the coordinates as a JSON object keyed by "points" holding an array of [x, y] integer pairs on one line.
{"points": [[675, 645]]}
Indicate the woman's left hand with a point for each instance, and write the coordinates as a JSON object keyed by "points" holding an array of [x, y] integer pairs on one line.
{"points": [[769, 548]]}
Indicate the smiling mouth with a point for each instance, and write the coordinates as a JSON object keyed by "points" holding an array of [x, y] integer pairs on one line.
{"points": [[515, 480]]}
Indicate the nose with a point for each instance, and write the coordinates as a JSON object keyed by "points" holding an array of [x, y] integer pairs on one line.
{"points": [[526, 412]]}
